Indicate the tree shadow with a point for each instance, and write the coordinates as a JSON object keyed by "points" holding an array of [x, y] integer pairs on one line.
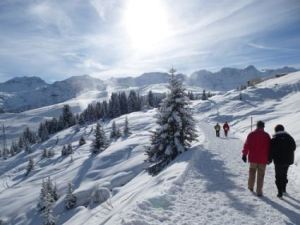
{"points": [[294, 216], [218, 179], [84, 168]]}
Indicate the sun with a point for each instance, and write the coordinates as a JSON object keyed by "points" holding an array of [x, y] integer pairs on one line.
{"points": [[146, 23]]}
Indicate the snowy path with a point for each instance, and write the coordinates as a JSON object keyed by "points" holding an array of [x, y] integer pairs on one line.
{"points": [[215, 191]]}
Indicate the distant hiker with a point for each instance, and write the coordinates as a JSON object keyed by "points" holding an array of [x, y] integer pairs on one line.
{"points": [[257, 148], [226, 128], [217, 128], [282, 151]]}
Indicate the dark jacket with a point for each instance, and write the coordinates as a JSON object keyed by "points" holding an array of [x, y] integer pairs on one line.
{"points": [[282, 149]]}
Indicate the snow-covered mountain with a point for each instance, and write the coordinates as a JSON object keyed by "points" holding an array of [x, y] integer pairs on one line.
{"points": [[20, 94], [22, 84], [205, 185], [231, 78], [39, 94]]}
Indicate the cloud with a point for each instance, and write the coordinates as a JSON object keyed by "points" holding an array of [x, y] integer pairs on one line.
{"points": [[54, 39], [264, 47]]}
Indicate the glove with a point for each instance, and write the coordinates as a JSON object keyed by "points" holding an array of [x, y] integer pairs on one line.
{"points": [[244, 158]]}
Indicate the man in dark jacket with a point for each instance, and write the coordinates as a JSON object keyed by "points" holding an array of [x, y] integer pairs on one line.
{"points": [[282, 153]]}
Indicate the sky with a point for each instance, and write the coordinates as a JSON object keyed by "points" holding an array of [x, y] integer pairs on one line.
{"points": [[56, 39]]}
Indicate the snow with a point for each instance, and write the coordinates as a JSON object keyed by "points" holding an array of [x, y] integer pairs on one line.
{"points": [[205, 185]]}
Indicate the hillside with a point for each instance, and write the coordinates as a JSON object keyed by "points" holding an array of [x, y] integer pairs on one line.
{"points": [[206, 185]]}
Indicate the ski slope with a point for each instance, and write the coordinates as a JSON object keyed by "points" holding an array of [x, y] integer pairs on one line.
{"points": [[206, 185]]}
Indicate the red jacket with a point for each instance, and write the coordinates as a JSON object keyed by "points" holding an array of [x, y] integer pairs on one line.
{"points": [[257, 146], [226, 126]]}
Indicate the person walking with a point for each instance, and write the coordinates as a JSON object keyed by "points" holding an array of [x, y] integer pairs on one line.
{"points": [[217, 128], [257, 148], [282, 151], [226, 128]]}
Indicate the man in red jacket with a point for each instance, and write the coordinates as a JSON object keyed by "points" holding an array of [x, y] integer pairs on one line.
{"points": [[226, 128], [257, 147]]}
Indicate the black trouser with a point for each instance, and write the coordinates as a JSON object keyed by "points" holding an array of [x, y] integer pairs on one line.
{"points": [[281, 177], [217, 133]]}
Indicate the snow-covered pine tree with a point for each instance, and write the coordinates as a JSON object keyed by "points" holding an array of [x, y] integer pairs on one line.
{"points": [[64, 151], [115, 131], [176, 128], [204, 96], [21, 142], [69, 149], [43, 132], [81, 141], [114, 106], [70, 200], [67, 117], [54, 193], [14, 148], [30, 166], [123, 103], [45, 153], [150, 99], [51, 189], [47, 212], [134, 103], [29, 135], [126, 131], [42, 200], [100, 142], [27, 147]]}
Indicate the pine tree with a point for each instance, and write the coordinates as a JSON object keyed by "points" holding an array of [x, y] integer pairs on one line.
{"points": [[64, 151], [70, 200], [150, 99], [47, 212], [68, 117], [134, 103], [30, 166], [14, 148], [82, 141], [43, 197], [29, 136], [115, 132], [114, 106], [204, 96], [45, 153], [21, 143], [123, 103], [27, 147], [100, 142], [69, 149], [126, 131], [43, 132], [176, 127]]}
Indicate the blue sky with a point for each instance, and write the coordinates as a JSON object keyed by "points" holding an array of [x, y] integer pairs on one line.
{"points": [[56, 39]]}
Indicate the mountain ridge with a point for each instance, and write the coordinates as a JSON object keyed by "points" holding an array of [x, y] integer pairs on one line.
{"points": [[23, 93]]}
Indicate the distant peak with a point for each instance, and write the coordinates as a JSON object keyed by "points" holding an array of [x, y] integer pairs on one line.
{"points": [[26, 79], [250, 67]]}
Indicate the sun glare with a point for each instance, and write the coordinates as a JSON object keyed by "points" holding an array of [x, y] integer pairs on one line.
{"points": [[146, 23]]}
